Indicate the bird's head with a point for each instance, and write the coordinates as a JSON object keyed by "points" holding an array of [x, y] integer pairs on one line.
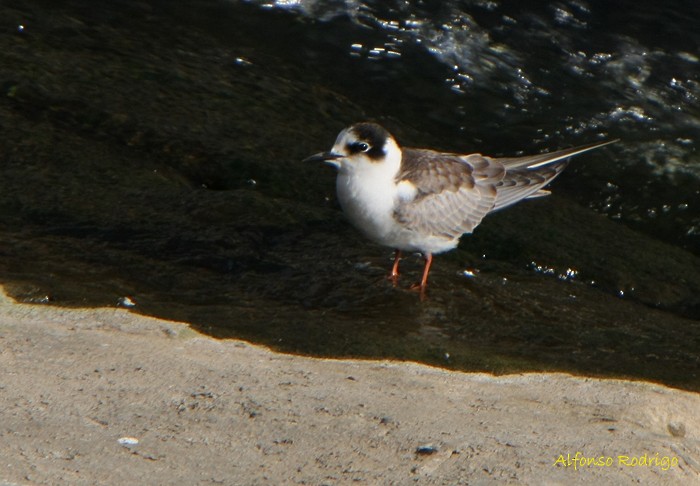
{"points": [[361, 146]]}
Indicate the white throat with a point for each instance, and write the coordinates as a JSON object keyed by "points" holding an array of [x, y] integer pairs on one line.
{"points": [[368, 193]]}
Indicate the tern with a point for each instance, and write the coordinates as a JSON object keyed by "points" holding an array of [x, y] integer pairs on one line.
{"points": [[423, 200]]}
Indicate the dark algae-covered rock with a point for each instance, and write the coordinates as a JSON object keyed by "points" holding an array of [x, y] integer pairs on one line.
{"points": [[152, 150]]}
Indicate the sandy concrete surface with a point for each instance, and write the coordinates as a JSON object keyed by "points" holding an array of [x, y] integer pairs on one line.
{"points": [[105, 396]]}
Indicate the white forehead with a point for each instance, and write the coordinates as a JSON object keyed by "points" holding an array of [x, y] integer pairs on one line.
{"points": [[345, 137]]}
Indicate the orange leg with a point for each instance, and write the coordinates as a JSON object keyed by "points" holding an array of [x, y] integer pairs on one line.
{"points": [[394, 277], [424, 281], [426, 271]]}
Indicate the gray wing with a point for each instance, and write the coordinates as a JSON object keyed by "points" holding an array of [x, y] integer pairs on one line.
{"points": [[535, 161], [453, 192], [526, 176], [525, 184]]}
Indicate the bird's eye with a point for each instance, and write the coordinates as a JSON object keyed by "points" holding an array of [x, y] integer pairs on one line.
{"points": [[359, 147]]}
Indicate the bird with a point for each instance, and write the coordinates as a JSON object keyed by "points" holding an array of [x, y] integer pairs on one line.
{"points": [[424, 200]]}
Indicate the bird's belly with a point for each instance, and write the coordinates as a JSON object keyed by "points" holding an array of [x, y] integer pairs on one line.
{"points": [[370, 208]]}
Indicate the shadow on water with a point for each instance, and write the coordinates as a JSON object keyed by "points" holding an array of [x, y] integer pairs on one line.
{"points": [[151, 152]]}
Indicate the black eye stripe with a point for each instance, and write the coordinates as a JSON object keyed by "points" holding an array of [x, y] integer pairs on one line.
{"points": [[356, 147]]}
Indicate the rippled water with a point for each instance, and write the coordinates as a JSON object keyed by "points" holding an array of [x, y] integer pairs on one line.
{"points": [[151, 160]]}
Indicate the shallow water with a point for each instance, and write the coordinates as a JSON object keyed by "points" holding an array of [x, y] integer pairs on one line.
{"points": [[151, 156]]}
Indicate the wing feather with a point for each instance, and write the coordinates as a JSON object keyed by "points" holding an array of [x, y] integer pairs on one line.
{"points": [[540, 160], [454, 192], [520, 184]]}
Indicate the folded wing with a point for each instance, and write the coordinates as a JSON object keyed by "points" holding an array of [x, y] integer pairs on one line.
{"points": [[454, 192], [526, 176]]}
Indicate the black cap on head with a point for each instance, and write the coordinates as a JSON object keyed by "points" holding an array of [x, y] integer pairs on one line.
{"points": [[374, 135]]}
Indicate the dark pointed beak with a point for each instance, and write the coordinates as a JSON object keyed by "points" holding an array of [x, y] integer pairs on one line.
{"points": [[323, 157]]}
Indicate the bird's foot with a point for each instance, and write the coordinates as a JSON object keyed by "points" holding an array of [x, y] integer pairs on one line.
{"points": [[418, 287], [394, 275]]}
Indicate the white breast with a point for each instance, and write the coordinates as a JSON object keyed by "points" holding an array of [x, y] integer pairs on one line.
{"points": [[368, 197], [369, 194]]}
